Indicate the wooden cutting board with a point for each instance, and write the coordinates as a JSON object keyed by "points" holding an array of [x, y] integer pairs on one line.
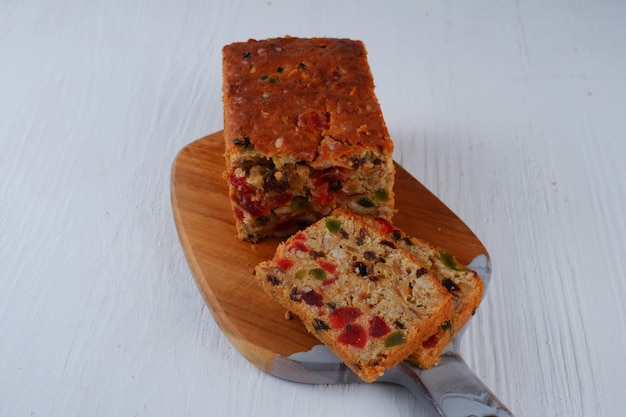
{"points": [[222, 265]]}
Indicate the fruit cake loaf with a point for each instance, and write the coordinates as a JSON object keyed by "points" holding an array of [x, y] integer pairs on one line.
{"points": [[463, 284], [304, 134], [366, 299]]}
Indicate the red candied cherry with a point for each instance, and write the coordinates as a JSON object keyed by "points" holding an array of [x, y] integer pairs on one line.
{"points": [[284, 264], [384, 224], [281, 199], [344, 315], [328, 181], [323, 198], [300, 236], [353, 335], [246, 197], [333, 177], [298, 245], [329, 281], [327, 266], [238, 213], [378, 327], [431, 342], [313, 298]]}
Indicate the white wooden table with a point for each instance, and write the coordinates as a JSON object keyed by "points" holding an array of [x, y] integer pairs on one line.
{"points": [[513, 113]]}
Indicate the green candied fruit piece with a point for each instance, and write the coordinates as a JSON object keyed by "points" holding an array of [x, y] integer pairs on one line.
{"points": [[318, 273], [395, 339], [449, 261], [381, 195], [365, 202], [446, 326], [300, 203], [333, 225], [300, 274]]}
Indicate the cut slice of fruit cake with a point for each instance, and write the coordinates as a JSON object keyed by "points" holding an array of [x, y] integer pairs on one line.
{"points": [[304, 134], [369, 301], [463, 284]]}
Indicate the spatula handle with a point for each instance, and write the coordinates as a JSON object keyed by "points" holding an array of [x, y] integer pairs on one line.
{"points": [[454, 389]]}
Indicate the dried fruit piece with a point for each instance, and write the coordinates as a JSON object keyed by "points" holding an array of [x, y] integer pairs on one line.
{"points": [[446, 326], [329, 281], [388, 244], [238, 213], [295, 295], [299, 246], [384, 225], [300, 237], [320, 325], [327, 266], [449, 261], [381, 195], [300, 203], [275, 181], [353, 335], [378, 327], [360, 268], [431, 342], [332, 224], [420, 272], [318, 273], [284, 264], [274, 280], [313, 298], [395, 339], [450, 285], [247, 198], [343, 316], [332, 178]]}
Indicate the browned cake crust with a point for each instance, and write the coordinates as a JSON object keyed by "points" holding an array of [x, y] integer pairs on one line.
{"points": [[463, 284], [304, 134], [368, 300]]}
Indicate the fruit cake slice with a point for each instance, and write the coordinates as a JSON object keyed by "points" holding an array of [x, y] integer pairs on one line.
{"points": [[463, 284], [304, 134], [366, 299]]}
